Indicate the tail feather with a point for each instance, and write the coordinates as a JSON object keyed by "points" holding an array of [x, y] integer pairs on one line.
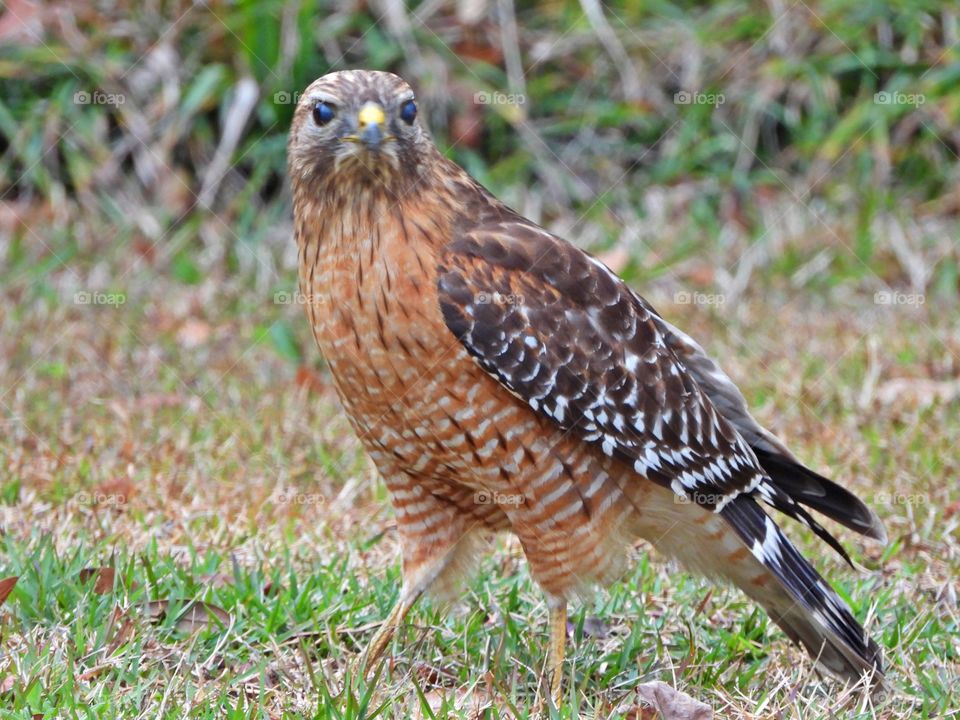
{"points": [[804, 605], [820, 494]]}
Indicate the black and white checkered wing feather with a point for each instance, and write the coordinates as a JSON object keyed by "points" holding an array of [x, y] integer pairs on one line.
{"points": [[569, 338], [565, 335]]}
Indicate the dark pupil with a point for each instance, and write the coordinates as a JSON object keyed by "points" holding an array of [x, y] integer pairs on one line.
{"points": [[409, 111], [322, 113]]}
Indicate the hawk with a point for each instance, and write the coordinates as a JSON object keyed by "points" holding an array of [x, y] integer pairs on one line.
{"points": [[501, 379]]}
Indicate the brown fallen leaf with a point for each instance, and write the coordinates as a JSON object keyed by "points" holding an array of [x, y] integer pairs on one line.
{"points": [[202, 615], [104, 578], [671, 703], [6, 587], [155, 609], [197, 616]]}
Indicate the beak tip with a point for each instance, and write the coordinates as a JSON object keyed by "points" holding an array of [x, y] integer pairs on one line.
{"points": [[372, 137]]}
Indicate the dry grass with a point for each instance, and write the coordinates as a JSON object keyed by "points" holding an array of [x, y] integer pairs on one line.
{"points": [[172, 438]]}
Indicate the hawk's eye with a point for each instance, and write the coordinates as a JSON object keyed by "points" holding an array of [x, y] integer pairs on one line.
{"points": [[323, 113], [408, 112]]}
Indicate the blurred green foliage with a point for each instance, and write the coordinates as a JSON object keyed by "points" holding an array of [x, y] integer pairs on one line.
{"points": [[850, 103]]}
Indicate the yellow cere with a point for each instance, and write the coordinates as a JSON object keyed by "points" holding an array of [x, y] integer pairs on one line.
{"points": [[371, 114]]}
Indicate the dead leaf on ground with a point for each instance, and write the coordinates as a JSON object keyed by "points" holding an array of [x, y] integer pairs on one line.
{"points": [[6, 587], [155, 609], [198, 615], [104, 578], [202, 615], [671, 703]]}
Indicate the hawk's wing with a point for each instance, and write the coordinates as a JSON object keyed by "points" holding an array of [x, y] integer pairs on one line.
{"points": [[569, 338]]}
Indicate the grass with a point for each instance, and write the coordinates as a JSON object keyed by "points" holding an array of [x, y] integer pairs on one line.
{"points": [[199, 466], [165, 413]]}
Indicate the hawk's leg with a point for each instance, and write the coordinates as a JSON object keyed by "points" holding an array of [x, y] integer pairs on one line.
{"points": [[437, 544], [378, 642], [409, 595], [558, 639]]}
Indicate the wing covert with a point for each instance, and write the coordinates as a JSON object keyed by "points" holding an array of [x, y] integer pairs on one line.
{"points": [[566, 336]]}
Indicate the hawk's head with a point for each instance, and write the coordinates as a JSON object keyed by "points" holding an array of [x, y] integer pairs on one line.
{"points": [[357, 125]]}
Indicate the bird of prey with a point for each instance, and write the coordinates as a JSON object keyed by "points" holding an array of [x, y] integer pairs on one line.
{"points": [[502, 379]]}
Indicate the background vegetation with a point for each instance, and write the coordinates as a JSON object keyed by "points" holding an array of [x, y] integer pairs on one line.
{"points": [[779, 178]]}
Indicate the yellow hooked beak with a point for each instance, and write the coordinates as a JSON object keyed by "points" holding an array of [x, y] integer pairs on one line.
{"points": [[371, 123]]}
